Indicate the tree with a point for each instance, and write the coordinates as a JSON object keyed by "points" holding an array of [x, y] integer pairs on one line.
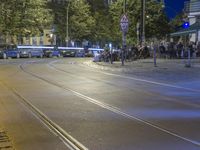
{"points": [[24, 17], [59, 20], [115, 12], [177, 22], [81, 21], [101, 31], [156, 24], [133, 13], [8, 17]]}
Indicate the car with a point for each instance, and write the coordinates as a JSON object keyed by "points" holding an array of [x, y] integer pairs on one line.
{"points": [[67, 53], [51, 52], [11, 53], [36, 52], [80, 53], [8, 51], [24, 53]]}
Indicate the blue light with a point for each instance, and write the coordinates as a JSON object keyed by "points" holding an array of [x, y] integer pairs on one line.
{"points": [[110, 45], [186, 25]]}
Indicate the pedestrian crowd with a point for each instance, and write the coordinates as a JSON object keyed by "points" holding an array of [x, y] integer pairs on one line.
{"points": [[179, 50], [169, 50]]}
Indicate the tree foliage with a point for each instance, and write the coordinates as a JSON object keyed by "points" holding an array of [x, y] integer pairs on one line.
{"points": [[80, 21], [92, 20], [156, 21], [25, 16], [176, 23]]}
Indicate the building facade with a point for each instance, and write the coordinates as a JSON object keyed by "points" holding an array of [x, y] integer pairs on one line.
{"points": [[192, 9]]}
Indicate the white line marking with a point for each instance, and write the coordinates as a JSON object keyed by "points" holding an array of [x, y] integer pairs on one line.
{"points": [[52, 66], [147, 81], [152, 82], [143, 80]]}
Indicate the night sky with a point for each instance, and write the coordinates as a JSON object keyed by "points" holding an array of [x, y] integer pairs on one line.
{"points": [[173, 7]]}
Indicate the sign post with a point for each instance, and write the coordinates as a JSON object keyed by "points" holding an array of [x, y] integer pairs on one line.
{"points": [[124, 23]]}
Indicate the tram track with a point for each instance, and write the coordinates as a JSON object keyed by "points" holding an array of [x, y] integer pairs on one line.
{"points": [[67, 139], [108, 107]]}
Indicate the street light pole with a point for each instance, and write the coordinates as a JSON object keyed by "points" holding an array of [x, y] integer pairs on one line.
{"points": [[143, 3], [67, 23], [123, 35], [124, 6]]}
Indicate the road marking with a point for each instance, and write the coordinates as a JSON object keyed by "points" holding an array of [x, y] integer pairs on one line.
{"points": [[143, 80], [52, 66], [152, 82], [147, 81], [110, 107]]}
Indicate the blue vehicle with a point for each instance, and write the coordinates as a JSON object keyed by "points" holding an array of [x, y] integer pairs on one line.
{"points": [[80, 53], [11, 51], [51, 52], [24, 53], [31, 51], [69, 51], [36, 52]]}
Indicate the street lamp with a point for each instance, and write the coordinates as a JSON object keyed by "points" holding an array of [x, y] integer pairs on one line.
{"points": [[143, 3], [67, 22], [52, 38], [124, 6]]}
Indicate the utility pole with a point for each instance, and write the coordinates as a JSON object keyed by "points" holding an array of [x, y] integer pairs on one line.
{"points": [[124, 28], [124, 6], [143, 3], [67, 23]]}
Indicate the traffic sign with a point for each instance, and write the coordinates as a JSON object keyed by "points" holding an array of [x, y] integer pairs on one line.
{"points": [[124, 23]]}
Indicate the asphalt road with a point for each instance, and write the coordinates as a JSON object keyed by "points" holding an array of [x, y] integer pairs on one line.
{"points": [[50, 103]]}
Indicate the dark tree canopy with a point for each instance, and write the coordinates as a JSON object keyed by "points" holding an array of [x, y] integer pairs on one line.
{"points": [[92, 20]]}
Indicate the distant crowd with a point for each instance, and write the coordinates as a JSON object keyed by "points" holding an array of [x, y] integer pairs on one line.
{"points": [[178, 50], [163, 50]]}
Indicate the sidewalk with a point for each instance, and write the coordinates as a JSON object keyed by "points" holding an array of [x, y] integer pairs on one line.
{"points": [[167, 69], [145, 64]]}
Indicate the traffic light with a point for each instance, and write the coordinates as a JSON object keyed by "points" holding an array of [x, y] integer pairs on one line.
{"points": [[186, 25]]}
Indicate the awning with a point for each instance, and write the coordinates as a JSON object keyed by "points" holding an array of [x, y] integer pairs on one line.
{"points": [[183, 32], [192, 29]]}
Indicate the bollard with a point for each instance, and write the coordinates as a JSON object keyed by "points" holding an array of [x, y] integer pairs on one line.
{"points": [[182, 54], [154, 57], [188, 64]]}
